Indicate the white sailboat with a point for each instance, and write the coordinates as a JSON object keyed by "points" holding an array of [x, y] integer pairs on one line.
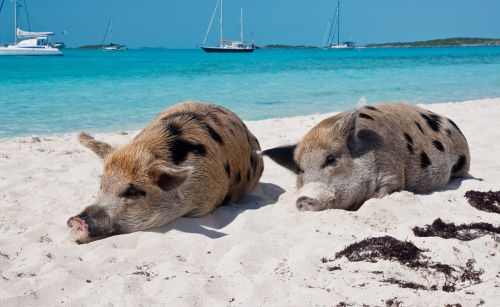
{"points": [[328, 41], [31, 43], [111, 46], [226, 45]]}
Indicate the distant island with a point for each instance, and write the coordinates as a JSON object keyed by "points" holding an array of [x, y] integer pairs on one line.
{"points": [[279, 46], [90, 47], [446, 42]]}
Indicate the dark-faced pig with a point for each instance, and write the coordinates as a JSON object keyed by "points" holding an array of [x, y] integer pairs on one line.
{"points": [[371, 152], [190, 159]]}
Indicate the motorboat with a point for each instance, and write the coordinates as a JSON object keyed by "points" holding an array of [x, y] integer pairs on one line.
{"points": [[29, 43]]}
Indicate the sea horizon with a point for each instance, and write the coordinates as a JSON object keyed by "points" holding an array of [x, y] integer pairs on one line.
{"points": [[101, 92]]}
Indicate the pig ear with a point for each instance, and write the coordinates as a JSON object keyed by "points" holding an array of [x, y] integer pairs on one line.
{"points": [[169, 177], [283, 156], [102, 149], [359, 141], [347, 124]]}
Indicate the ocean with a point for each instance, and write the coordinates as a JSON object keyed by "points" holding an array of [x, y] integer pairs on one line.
{"points": [[112, 91]]}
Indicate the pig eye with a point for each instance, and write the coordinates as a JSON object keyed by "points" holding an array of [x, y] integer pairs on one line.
{"points": [[329, 161], [132, 192]]}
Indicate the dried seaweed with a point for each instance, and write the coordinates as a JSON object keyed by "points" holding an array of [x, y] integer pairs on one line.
{"points": [[386, 248], [484, 201], [409, 255], [405, 284], [464, 232]]}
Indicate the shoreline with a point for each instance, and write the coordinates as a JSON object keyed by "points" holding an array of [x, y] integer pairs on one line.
{"points": [[134, 131], [259, 252]]}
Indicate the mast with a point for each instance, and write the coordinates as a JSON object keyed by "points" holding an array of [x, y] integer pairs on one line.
{"points": [[241, 26], [110, 31], [211, 22], [338, 22], [326, 33], [221, 10], [106, 33], [15, 21]]}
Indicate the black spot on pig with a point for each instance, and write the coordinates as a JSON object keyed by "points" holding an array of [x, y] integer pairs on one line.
{"points": [[173, 130], [238, 177], [213, 117], [439, 146], [214, 134], [408, 138], [460, 164], [424, 160], [432, 120], [366, 116], [227, 168], [248, 176], [372, 108], [410, 147], [420, 128], [448, 132], [180, 149], [196, 118]]}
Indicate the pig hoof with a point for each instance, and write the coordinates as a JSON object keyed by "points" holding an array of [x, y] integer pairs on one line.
{"points": [[305, 203], [79, 230]]}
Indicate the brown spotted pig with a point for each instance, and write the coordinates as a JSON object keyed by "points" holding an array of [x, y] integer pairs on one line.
{"points": [[371, 152], [190, 159]]}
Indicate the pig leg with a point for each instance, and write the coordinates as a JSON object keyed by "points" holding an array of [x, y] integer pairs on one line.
{"points": [[389, 183]]}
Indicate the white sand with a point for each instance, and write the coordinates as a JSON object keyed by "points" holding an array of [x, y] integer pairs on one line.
{"points": [[259, 252]]}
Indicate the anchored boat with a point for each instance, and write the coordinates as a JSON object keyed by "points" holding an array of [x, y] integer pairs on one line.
{"points": [[31, 43], [334, 24], [111, 46], [226, 45]]}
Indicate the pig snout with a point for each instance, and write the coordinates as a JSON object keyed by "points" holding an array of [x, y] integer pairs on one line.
{"points": [[315, 196], [79, 226], [83, 227], [92, 224]]}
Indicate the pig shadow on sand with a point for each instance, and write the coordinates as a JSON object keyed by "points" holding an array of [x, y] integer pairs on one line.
{"points": [[455, 184], [264, 195]]}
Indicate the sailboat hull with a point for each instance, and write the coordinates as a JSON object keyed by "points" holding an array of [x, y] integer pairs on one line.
{"points": [[227, 50], [26, 51]]}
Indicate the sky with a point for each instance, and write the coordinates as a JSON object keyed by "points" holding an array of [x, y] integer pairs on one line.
{"points": [[183, 23]]}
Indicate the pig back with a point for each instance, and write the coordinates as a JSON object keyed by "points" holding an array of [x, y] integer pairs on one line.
{"points": [[429, 148], [215, 143]]}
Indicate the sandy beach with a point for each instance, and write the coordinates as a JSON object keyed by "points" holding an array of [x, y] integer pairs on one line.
{"points": [[259, 252]]}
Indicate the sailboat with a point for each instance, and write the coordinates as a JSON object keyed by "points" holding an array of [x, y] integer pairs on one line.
{"points": [[334, 24], [226, 45], [31, 43], [110, 46]]}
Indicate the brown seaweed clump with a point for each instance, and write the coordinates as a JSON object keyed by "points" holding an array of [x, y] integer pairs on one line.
{"points": [[386, 248], [409, 255], [484, 201], [464, 232]]}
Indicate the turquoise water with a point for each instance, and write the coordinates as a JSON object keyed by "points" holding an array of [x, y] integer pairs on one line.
{"points": [[102, 91]]}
